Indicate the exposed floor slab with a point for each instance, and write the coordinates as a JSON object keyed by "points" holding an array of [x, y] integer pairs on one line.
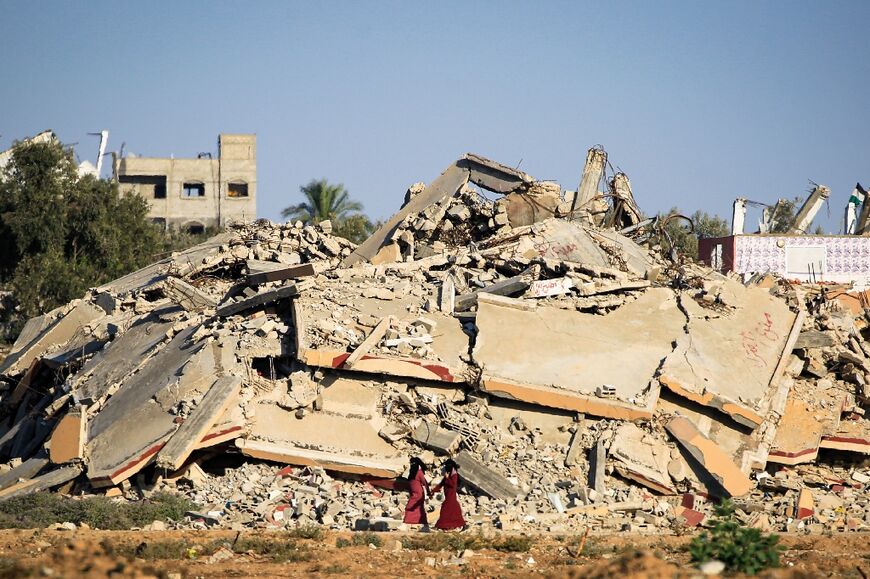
{"points": [[563, 359], [730, 358]]}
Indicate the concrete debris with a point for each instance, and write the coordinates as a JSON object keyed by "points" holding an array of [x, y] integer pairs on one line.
{"points": [[281, 376]]}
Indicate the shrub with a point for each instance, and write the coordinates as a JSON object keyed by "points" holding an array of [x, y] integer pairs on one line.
{"points": [[307, 532], [365, 539], [742, 549], [43, 509]]}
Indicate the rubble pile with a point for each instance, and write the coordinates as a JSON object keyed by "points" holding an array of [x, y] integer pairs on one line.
{"points": [[576, 373]]}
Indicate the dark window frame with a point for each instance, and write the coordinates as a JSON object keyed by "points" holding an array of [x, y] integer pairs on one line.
{"points": [[189, 187]]}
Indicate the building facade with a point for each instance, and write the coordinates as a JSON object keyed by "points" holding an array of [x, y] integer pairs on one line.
{"points": [[805, 258], [193, 194]]}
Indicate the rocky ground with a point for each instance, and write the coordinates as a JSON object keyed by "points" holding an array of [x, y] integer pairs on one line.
{"points": [[88, 553]]}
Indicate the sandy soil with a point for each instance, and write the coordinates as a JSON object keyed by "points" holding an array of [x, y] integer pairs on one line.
{"points": [[174, 554]]}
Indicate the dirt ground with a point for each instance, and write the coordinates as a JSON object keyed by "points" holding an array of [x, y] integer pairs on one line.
{"points": [[176, 554]]}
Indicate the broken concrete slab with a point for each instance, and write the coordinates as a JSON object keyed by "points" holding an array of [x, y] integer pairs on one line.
{"points": [[709, 456], [223, 393], [182, 263], [118, 359], [372, 340], [279, 274], [852, 435], [484, 479], [260, 299], [331, 461], [51, 338], [730, 359], [135, 422], [507, 287], [562, 359], [431, 436], [642, 458], [187, 296], [24, 471], [68, 438], [447, 348], [44, 482], [800, 430]]}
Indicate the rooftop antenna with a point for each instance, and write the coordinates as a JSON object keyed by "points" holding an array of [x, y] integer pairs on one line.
{"points": [[104, 140]]}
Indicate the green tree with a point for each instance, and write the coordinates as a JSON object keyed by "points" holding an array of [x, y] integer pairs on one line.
{"points": [[322, 201], [783, 214], [63, 233], [683, 235], [325, 201], [356, 228]]}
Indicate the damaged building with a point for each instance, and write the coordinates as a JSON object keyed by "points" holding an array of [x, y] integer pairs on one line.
{"points": [[194, 194], [576, 373]]}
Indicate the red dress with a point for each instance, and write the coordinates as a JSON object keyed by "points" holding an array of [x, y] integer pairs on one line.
{"points": [[415, 511], [451, 512]]}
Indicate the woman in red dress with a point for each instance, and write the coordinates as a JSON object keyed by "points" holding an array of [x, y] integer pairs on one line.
{"points": [[451, 512], [415, 510]]}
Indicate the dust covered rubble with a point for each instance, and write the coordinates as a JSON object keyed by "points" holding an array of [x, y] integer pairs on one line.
{"points": [[279, 375]]}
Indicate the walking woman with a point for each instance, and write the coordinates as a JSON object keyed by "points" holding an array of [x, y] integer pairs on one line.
{"points": [[415, 510], [451, 512]]}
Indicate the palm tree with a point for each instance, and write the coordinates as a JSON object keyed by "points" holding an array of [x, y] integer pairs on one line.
{"points": [[322, 201]]}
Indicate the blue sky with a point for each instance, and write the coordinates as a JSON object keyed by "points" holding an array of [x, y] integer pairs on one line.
{"points": [[698, 102]]}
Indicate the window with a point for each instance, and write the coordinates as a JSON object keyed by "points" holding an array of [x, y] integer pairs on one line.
{"points": [[237, 189], [146, 185], [194, 228], [159, 222], [193, 189]]}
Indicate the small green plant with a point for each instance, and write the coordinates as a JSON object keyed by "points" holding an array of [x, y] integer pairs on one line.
{"points": [[279, 549], [742, 549], [513, 544], [307, 532], [366, 539], [341, 543]]}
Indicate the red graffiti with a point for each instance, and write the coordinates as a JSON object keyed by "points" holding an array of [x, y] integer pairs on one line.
{"points": [[762, 330]]}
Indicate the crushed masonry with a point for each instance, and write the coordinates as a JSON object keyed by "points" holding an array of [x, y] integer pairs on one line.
{"points": [[546, 341]]}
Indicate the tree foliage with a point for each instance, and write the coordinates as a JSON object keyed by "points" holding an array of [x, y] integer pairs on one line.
{"points": [[326, 201], [63, 233], [322, 201], [742, 549], [684, 236], [783, 214]]}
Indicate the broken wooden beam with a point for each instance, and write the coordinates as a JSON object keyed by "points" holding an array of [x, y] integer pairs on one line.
{"points": [[222, 393], [293, 272], [433, 437], [370, 342], [710, 457], [484, 479]]}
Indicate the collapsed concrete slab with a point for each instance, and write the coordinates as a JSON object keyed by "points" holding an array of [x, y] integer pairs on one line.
{"points": [[319, 337], [730, 358], [52, 337], [642, 458], [570, 360], [710, 457], [484, 479], [217, 400]]}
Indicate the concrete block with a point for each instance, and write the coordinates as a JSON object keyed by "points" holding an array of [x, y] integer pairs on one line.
{"points": [[68, 439], [710, 457]]}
